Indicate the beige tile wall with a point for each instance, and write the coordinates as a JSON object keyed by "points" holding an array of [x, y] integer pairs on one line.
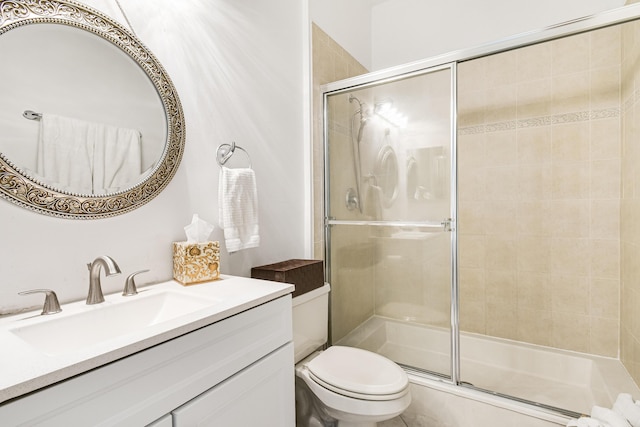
{"points": [[539, 193], [413, 279], [332, 63], [630, 209]]}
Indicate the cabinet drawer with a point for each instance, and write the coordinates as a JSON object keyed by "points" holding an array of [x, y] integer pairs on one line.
{"points": [[141, 388], [260, 395]]}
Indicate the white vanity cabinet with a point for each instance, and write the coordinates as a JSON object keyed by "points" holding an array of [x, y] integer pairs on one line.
{"points": [[235, 372], [254, 397]]}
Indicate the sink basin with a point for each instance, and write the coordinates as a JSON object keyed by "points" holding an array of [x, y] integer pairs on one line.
{"points": [[64, 333]]}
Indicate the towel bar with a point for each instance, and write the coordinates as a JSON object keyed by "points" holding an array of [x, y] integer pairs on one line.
{"points": [[225, 151], [31, 115]]}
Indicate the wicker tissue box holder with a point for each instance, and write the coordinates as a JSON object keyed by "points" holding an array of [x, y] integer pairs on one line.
{"points": [[196, 262]]}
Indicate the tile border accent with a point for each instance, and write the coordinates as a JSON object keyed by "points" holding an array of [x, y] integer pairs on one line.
{"points": [[557, 119]]}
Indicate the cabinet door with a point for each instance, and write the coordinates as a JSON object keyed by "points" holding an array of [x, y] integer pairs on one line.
{"points": [[260, 395]]}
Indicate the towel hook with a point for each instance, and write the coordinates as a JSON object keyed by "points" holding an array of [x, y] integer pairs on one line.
{"points": [[225, 151]]}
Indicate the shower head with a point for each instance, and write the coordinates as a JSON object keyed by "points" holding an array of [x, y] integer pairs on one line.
{"points": [[360, 104], [362, 112]]}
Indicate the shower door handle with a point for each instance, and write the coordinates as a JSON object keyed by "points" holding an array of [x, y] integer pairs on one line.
{"points": [[447, 224]]}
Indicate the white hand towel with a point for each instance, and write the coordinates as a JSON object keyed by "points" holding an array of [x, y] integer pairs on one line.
{"points": [[64, 158], [88, 158], [117, 157], [238, 208], [609, 417], [373, 202], [625, 406]]}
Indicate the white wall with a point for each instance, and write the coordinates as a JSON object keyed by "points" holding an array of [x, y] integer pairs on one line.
{"points": [[238, 68], [348, 23]]}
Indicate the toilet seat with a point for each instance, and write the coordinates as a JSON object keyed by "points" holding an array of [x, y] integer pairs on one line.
{"points": [[358, 373]]}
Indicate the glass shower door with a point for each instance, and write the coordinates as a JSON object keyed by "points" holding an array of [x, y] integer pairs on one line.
{"points": [[389, 202]]}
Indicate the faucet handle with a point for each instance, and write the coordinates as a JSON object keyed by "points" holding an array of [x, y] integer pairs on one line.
{"points": [[51, 304], [130, 284]]}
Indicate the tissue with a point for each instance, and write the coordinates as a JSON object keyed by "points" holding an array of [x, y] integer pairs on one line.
{"points": [[197, 260], [198, 231]]}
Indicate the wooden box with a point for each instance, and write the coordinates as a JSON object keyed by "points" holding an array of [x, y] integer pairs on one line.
{"points": [[305, 274]]}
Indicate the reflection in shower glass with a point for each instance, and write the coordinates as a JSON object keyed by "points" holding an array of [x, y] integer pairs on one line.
{"points": [[389, 156]]}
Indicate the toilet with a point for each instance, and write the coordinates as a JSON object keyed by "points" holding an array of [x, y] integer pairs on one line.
{"points": [[340, 386]]}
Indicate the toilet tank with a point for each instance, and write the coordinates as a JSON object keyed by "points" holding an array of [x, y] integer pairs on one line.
{"points": [[310, 321]]}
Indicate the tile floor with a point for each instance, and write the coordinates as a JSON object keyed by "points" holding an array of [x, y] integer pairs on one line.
{"points": [[394, 422]]}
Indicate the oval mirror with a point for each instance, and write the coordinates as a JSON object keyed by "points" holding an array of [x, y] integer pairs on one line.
{"points": [[91, 125]]}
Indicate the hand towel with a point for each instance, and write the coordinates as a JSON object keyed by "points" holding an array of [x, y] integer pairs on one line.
{"points": [[373, 202], [64, 159], [238, 208], [87, 158], [117, 158], [625, 406], [609, 417]]}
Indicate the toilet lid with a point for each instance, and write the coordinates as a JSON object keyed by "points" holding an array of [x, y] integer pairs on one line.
{"points": [[358, 371]]}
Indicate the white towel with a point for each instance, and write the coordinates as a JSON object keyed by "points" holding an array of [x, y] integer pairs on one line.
{"points": [[117, 158], [373, 202], [64, 159], [625, 406], [238, 208], [609, 417], [87, 158]]}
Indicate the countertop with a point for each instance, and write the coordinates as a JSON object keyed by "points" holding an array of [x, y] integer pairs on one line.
{"points": [[24, 368]]}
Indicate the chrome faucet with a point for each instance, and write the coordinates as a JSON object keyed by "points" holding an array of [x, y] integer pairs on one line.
{"points": [[95, 290]]}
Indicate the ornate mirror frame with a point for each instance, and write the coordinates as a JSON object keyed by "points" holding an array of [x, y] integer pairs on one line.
{"points": [[19, 188]]}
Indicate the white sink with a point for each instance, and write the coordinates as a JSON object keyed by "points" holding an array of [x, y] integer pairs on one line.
{"points": [[64, 333]]}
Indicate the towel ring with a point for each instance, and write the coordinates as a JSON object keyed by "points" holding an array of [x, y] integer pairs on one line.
{"points": [[225, 151]]}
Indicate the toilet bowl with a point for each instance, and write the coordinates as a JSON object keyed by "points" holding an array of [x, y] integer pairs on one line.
{"points": [[341, 386], [355, 387]]}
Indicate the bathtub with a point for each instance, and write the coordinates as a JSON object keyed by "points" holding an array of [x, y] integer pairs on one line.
{"points": [[569, 381]]}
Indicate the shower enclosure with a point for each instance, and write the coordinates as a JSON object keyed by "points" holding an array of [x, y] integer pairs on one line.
{"points": [[480, 214]]}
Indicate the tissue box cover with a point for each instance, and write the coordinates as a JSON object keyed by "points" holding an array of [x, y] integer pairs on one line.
{"points": [[196, 262], [306, 274]]}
